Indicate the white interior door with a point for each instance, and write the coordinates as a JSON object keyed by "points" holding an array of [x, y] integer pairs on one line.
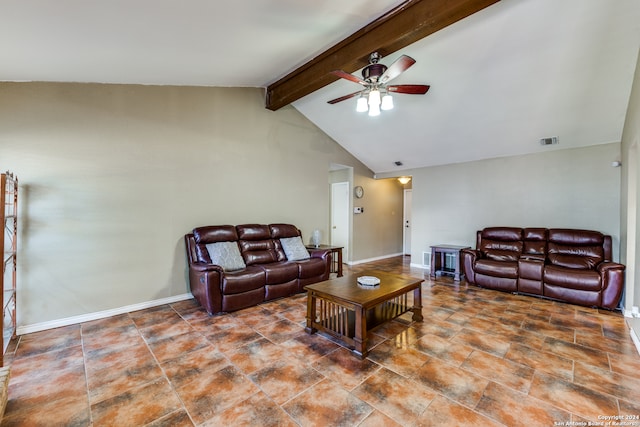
{"points": [[340, 217], [406, 222]]}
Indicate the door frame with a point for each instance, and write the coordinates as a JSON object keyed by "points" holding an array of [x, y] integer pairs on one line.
{"points": [[406, 216], [343, 174]]}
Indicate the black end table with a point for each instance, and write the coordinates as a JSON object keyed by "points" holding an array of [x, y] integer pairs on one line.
{"points": [[437, 261]]}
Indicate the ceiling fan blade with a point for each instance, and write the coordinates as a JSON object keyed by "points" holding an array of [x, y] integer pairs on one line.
{"points": [[397, 68], [410, 89], [343, 98], [345, 75]]}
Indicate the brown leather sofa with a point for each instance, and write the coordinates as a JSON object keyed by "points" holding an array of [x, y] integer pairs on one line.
{"points": [[265, 272], [563, 264]]}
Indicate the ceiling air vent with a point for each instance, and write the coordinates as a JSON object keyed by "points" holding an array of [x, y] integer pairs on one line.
{"points": [[549, 141]]}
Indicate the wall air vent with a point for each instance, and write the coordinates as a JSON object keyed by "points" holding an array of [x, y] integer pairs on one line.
{"points": [[549, 141], [426, 260]]}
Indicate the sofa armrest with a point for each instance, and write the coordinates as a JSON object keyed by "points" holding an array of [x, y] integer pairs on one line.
{"points": [[470, 252], [606, 266], [468, 260], [202, 267], [612, 275], [320, 253], [205, 283]]}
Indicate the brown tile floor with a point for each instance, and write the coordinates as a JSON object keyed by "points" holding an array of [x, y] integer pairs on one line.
{"points": [[479, 358]]}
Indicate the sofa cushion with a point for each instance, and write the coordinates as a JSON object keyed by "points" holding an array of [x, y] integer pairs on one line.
{"points": [[226, 255], [253, 232], [280, 272], [256, 244], [258, 252], [575, 256], [294, 248], [311, 267], [576, 237], [530, 268], [501, 243], [574, 261], [502, 233], [215, 233], [535, 242], [278, 231], [239, 281], [494, 268], [586, 280], [501, 255]]}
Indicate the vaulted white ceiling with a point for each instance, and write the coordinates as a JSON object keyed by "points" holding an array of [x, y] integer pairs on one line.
{"points": [[501, 79], [248, 43]]}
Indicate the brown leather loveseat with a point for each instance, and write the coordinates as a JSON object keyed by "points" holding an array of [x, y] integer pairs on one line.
{"points": [[234, 267], [562, 264]]}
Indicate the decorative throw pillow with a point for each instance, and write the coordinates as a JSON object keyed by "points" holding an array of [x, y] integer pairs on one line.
{"points": [[294, 248], [226, 255]]}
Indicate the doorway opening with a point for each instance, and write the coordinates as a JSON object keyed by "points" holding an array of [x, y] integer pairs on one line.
{"points": [[340, 179]]}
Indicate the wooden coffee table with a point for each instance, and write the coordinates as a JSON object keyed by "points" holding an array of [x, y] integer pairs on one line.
{"points": [[342, 308]]}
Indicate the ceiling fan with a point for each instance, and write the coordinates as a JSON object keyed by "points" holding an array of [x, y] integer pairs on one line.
{"points": [[375, 76]]}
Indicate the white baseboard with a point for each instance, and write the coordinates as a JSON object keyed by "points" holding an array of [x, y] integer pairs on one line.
{"points": [[37, 327], [634, 331], [424, 267], [363, 261]]}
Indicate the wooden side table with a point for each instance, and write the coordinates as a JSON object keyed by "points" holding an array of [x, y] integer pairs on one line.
{"points": [[336, 257], [437, 260]]}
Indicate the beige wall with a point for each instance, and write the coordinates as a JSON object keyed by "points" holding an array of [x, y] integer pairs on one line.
{"points": [[630, 195], [112, 177], [378, 230], [576, 188]]}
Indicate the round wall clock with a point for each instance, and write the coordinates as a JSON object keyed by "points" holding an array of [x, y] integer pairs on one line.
{"points": [[358, 192]]}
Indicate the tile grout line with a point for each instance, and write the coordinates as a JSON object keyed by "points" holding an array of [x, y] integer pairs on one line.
{"points": [[164, 373], [86, 375]]}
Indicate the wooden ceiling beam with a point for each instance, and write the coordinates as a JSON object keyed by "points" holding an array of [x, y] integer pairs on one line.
{"points": [[406, 24]]}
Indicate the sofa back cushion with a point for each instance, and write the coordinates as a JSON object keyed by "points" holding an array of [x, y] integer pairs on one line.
{"points": [[501, 243], [282, 231], [256, 244], [212, 234], [579, 249], [535, 243]]}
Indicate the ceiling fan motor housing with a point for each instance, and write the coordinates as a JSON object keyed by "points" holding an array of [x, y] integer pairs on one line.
{"points": [[372, 72]]}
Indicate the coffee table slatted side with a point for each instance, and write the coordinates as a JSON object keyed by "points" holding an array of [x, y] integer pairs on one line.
{"points": [[340, 308], [334, 319], [396, 307]]}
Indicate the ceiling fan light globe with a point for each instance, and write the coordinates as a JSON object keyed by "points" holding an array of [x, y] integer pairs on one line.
{"points": [[374, 110], [374, 98], [362, 106], [387, 102]]}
